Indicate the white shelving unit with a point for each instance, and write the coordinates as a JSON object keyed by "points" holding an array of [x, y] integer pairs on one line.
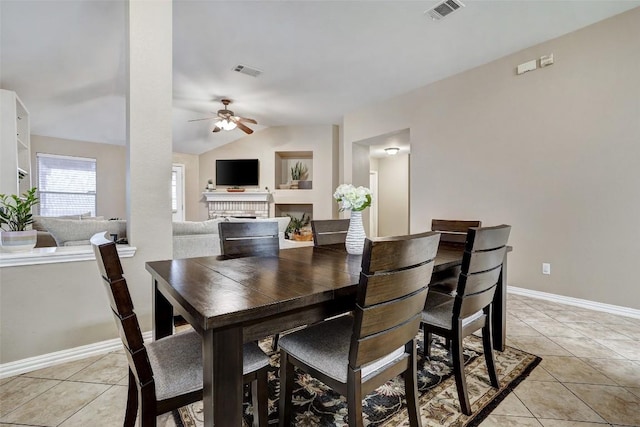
{"points": [[15, 144], [292, 201]]}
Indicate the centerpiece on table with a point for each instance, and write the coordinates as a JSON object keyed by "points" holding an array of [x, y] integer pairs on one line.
{"points": [[15, 216], [355, 200]]}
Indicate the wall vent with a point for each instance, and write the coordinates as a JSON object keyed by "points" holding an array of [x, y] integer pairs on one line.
{"points": [[249, 71], [444, 8]]}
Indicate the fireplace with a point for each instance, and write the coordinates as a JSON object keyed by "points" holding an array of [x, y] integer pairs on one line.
{"points": [[246, 204]]}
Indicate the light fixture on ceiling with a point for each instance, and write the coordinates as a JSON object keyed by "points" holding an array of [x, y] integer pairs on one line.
{"points": [[443, 9], [226, 124], [392, 151]]}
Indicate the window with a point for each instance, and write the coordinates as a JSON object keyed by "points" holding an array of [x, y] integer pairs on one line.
{"points": [[67, 185]]}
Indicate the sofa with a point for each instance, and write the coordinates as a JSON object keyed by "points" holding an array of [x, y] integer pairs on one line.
{"points": [[200, 238], [190, 238]]}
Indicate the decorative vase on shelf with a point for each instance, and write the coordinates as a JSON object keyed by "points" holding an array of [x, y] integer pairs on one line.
{"points": [[354, 242]]}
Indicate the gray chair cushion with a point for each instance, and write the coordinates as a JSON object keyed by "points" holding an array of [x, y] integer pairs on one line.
{"points": [[325, 347], [438, 311], [177, 363]]}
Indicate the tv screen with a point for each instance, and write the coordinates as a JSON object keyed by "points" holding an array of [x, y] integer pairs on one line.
{"points": [[237, 172]]}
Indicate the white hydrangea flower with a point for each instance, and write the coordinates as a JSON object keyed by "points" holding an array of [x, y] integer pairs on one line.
{"points": [[352, 198]]}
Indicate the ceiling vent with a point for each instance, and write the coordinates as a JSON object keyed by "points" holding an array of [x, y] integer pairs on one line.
{"points": [[444, 8], [249, 71]]}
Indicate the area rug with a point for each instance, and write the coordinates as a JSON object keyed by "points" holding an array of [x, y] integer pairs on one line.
{"points": [[315, 404]]}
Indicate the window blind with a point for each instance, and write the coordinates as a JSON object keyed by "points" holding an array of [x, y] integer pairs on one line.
{"points": [[66, 185]]}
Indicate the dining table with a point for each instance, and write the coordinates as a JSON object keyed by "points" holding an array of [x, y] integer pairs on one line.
{"points": [[233, 301]]}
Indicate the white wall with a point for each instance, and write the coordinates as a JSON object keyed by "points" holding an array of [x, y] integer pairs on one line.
{"points": [[552, 152]]}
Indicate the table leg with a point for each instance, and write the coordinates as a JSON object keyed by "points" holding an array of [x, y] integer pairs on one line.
{"points": [[222, 375], [162, 314], [499, 311]]}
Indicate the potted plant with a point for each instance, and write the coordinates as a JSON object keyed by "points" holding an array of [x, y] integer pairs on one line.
{"points": [[210, 185], [298, 172], [295, 228], [15, 217]]}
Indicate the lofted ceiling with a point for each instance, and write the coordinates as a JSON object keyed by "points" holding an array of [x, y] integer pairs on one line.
{"points": [[319, 59]]}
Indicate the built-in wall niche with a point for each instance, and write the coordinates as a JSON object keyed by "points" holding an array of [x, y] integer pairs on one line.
{"points": [[285, 161], [296, 210]]}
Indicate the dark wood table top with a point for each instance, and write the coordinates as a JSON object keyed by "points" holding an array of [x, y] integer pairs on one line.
{"points": [[217, 292]]}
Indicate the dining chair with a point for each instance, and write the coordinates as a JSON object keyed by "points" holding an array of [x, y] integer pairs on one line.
{"points": [[242, 239], [469, 310], [166, 374], [453, 232], [329, 231], [356, 353]]}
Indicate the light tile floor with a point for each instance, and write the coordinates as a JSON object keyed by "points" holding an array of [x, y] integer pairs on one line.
{"points": [[589, 377]]}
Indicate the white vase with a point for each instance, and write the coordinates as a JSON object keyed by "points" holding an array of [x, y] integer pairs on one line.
{"points": [[18, 241], [354, 242]]}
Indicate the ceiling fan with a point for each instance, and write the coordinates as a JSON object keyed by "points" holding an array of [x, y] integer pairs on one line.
{"points": [[227, 120]]}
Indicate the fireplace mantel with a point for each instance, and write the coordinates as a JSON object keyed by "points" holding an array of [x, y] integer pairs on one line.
{"points": [[240, 196], [239, 204]]}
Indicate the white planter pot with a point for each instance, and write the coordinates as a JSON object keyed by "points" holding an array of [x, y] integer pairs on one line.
{"points": [[18, 241]]}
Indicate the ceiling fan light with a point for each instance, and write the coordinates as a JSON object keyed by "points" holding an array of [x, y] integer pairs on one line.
{"points": [[226, 124], [392, 151]]}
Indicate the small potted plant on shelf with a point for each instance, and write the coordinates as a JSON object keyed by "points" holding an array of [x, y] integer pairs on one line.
{"points": [[15, 217], [296, 231], [298, 172], [210, 185]]}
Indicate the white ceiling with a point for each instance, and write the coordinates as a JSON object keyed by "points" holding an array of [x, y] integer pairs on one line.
{"points": [[320, 59]]}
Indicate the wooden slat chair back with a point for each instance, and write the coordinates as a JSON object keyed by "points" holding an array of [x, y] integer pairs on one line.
{"points": [[329, 231], [380, 334], [177, 358], [453, 231], [455, 317], [244, 239], [140, 371], [241, 239]]}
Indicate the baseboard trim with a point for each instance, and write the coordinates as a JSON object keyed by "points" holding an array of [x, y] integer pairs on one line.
{"points": [[583, 303], [69, 355]]}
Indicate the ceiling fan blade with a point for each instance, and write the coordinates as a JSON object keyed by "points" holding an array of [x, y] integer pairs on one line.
{"points": [[216, 129], [206, 118], [244, 119], [242, 127]]}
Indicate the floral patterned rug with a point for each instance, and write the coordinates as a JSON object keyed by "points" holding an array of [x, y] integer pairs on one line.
{"points": [[315, 404]]}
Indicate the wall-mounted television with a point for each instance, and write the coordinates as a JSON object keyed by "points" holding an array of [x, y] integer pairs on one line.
{"points": [[237, 172]]}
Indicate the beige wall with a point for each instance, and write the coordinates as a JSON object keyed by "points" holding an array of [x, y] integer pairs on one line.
{"points": [[393, 191], [262, 145], [110, 169], [553, 152]]}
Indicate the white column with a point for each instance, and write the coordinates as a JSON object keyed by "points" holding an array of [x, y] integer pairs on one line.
{"points": [[149, 101]]}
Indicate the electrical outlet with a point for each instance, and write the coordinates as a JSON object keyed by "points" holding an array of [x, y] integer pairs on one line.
{"points": [[546, 268]]}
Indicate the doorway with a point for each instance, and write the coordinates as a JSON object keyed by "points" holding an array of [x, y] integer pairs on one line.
{"points": [[387, 175], [177, 192]]}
